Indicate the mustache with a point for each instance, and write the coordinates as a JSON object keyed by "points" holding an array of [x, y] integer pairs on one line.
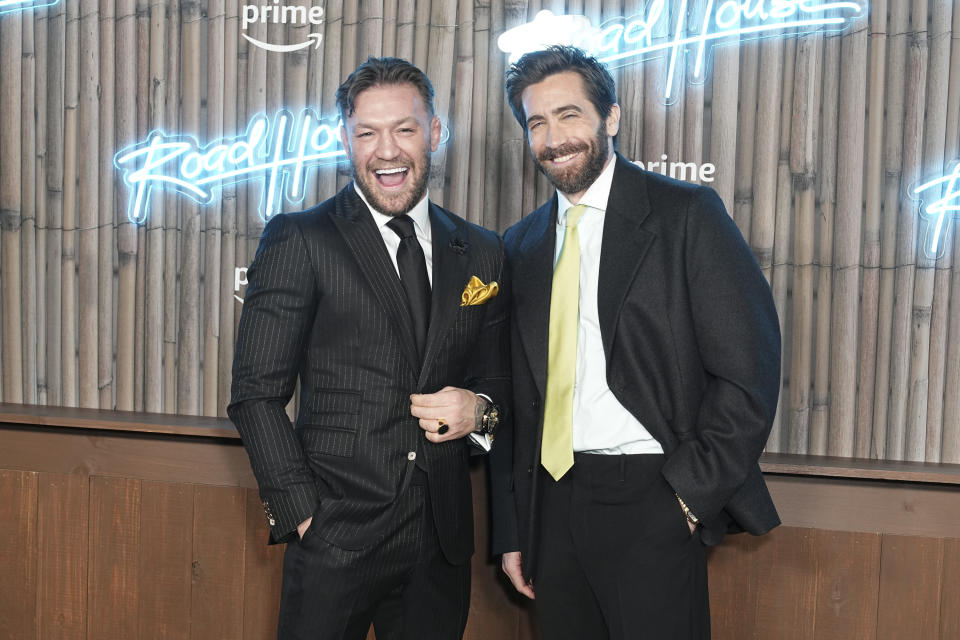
{"points": [[563, 150]]}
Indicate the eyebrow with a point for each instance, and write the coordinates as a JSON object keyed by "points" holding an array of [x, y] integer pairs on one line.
{"points": [[395, 123]]}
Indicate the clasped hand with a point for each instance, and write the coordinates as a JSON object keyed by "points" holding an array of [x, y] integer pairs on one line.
{"points": [[455, 407]]}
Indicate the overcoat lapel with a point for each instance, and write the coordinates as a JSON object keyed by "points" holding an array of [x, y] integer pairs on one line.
{"points": [[624, 245], [450, 261], [360, 232], [532, 278]]}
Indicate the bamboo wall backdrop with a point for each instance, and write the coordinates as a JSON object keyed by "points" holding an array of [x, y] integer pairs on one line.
{"points": [[816, 140]]}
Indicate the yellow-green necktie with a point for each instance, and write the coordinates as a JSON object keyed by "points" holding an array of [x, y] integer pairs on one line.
{"points": [[556, 449]]}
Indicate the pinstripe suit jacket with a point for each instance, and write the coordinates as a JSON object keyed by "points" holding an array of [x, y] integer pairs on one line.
{"points": [[324, 305]]}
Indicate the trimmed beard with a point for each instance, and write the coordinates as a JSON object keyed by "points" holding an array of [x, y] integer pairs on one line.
{"points": [[400, 204], [572, 180]]}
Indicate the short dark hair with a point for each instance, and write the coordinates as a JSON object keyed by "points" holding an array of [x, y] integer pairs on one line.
{"points": [[535, 66], [382, 71]]}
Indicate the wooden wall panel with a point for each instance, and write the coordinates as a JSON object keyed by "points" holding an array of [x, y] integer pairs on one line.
{"points": [[114, 559], [847, 573], [911, 569], [733, 569], [786, 589], [166, 541], [950, 591], [62, 534], [261, 574], [18, 555], [217, 565]]}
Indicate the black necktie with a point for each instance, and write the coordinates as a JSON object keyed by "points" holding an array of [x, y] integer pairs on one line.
{"points": [[413, 274]]}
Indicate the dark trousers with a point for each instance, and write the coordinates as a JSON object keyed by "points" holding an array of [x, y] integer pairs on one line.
{"points": [[616, 558], [403, 585]]}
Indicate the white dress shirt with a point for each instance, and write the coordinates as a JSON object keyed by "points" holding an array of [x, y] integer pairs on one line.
{"points": [[600, 423]]}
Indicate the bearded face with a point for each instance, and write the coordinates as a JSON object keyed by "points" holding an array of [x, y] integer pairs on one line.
{"points": [[389, 138]]}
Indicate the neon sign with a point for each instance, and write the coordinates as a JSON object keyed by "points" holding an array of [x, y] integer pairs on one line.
{"points": [[279, 150], [622, 41], [8, 6], [938, 209]]}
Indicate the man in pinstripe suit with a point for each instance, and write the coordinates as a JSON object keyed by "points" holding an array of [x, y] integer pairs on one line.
{"points": [[384, 306]]}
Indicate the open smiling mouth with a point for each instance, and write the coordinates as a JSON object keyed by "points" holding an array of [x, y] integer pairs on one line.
{"points": [[565, 159], [391, 178]]}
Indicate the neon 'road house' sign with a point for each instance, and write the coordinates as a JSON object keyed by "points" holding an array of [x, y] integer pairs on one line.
{"points": [[278, 150], [937, 210], [624, 41]]}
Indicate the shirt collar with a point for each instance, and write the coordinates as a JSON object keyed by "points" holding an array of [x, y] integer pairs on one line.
{"points": [[420, 214], [596, 196]]}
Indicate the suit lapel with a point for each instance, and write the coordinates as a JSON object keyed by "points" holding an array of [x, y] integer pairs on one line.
{"points": [[361, 234], [532, 278], [451, 258], [624, 245]]}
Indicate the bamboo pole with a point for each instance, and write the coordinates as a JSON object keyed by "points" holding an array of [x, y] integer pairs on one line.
{"points": [[693, 108], [870, 285], [88, 133], [228, 222], [40, 52], [494, 125], [421, 33], [630, 94], [779, 267], [327, 179], [763, 223], [145, 59], [11, 42], [212, 215], [826, 214], [105, 199], [886, 440], [462, 111], [172, 218], [390, 15], [348, 60], [372, 28], [68, 322], [406, 30], [189, 389], [934, 161], [742, 211], [28, 209], [478, 116], [126, 133], [847, 242], [951, 410], [723, 127], [905, 367], [654, 109], [803, 161], [512, 143], [54, 161], [154, 380], [674, 127], [443, 20]]}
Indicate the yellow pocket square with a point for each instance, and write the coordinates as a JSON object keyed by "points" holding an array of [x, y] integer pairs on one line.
{"points": [[478, 293]]}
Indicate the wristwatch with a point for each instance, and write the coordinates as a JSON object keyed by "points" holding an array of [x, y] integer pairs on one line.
{"points": [[487, 417]]}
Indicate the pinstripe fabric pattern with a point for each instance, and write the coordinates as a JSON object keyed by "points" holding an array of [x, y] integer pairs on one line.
{"points": [[324, 305]]}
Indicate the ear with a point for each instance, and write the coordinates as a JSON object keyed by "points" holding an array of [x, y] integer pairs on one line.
{"points": [[613, 120], [436, 132]]}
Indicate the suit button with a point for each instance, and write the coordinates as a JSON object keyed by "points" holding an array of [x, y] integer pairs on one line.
{"points": [[535, 404], [530, 470], [412, 456]]}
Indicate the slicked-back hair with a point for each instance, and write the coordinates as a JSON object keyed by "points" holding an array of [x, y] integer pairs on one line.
{"points": [[378, 72], [535, 66]]}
